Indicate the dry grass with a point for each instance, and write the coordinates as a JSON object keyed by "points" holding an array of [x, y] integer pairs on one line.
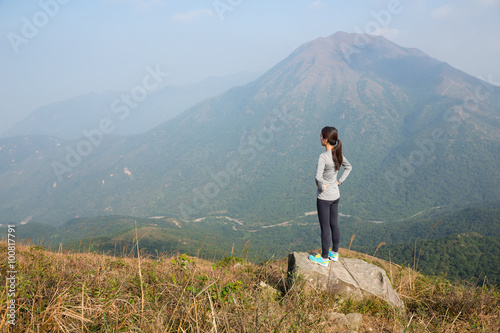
{"points": [[88, 292], [436, 304]]}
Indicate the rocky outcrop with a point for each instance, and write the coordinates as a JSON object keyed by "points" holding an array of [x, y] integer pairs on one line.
{"points": [[347, 278], [339, 322]]}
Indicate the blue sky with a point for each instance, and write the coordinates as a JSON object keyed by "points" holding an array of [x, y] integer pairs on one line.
{"points": [[51, 50]]}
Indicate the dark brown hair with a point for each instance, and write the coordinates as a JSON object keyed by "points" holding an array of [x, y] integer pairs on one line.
{"points": [[332, 136]]}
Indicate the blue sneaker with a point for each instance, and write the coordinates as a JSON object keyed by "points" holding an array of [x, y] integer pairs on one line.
{"points": [[319, 260], [333, 256]]}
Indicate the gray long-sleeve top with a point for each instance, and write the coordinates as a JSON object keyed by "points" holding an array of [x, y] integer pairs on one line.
{"points": [[326, 174]]}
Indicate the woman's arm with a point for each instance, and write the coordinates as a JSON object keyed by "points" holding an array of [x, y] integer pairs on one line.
{"points": [[320, 181], [347, 170]]}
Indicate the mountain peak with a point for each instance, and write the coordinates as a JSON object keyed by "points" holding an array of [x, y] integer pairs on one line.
{"points": [[341, 49], [333, 66], [355, 43]]}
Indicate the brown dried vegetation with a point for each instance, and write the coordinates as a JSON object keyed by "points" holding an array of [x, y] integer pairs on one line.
{"points": [[89, 292]]}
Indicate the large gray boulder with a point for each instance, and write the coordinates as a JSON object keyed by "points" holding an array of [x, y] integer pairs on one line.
{"points": [[347, 278]]}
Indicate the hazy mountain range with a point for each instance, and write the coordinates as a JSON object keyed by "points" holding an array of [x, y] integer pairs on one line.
{"points": [[67, 119], [418, 132]]}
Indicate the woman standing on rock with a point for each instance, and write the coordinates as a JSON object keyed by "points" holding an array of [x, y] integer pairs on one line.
{"points": [[328, 194]]}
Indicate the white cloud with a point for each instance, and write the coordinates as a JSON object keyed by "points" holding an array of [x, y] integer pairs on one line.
{"points": [[192, 15], [317, 4]]}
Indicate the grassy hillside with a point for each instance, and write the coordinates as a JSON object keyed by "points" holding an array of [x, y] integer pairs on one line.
{"points": [[87, 292]]}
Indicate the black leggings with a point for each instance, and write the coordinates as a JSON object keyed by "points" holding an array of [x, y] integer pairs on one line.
{"points": [[328, 221]]}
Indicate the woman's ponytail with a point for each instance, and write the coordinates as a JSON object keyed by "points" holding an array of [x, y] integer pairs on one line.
{"points": [[337, 154]]}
